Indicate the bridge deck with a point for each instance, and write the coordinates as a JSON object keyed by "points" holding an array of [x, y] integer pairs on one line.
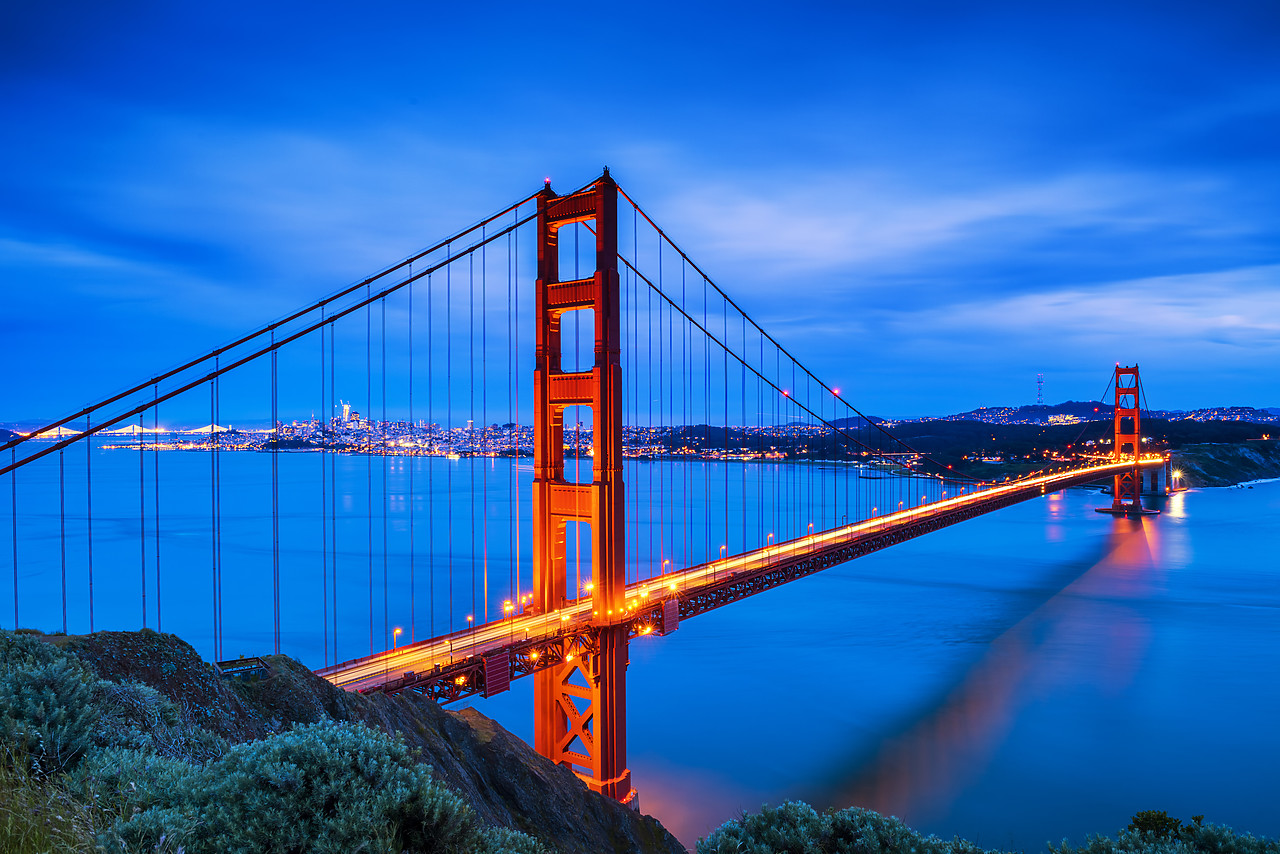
{"points": [[485, 658]]}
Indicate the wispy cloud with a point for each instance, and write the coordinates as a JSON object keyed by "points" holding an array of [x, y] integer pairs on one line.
{"points": [[866, 222], [1167, 314]]}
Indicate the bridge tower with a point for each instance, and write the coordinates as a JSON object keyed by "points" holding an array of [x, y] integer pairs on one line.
{"points": [[580, 702], [1127, 488]]}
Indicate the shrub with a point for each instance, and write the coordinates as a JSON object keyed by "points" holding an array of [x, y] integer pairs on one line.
{"points": [[139, 717], [796, 828], [503, 840], [46, 702], [130, 781], [1155, 832], [1156, 823], [321, 787]]}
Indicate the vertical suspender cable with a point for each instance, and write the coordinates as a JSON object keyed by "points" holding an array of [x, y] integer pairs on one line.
{"points": [[142, 518], [448, 387], [706, 413], [275, 499], [484, 417], [367, 444], [652, 432], [435, 451], [662, 470], [513, 478], [686, 356], [62, 536], [725, 461], [383, 451], [13, 523], [155, 493], [333, 492], [213, 522], [88, 497], [513, 256], [217, 457], [324, 503], [412, 462], [742, 408], [471, 422]]}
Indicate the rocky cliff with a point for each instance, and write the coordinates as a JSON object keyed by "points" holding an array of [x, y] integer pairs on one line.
{"points": [[1223, 464]]}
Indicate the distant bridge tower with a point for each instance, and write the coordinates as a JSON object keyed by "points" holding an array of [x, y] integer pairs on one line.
{"points": [[580, 702], [1127, 488]]}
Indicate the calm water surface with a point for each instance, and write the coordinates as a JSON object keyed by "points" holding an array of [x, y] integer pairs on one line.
{"points": [[1039, 673]]}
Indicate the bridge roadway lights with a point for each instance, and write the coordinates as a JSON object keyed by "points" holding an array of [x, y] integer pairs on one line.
{"points": [[580, 715]]}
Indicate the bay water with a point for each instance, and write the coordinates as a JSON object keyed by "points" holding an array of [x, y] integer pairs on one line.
{"points": [[1039, 673]]}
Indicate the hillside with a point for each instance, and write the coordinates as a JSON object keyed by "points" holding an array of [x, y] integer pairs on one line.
{"points": [[1025, 447], [503, 780], [1225, 464]]}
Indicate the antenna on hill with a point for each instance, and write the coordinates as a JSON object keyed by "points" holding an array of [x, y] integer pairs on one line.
{"points": [[1039, 389]]}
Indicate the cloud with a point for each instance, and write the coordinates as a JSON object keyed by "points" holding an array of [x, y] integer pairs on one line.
{"points": [[870, 222], [1238, 308]]}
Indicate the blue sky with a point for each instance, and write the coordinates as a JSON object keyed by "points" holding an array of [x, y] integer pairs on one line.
{"points": [[928, 202]]}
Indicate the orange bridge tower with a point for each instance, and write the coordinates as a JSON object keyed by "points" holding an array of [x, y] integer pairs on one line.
{"points": [[1127, 488], [580, 702]]}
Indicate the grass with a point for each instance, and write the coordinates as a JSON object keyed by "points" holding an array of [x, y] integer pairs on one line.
{"points": [[39, 816]]}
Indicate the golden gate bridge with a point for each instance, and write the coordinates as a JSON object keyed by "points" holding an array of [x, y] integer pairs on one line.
{"points": [[682, 459]]}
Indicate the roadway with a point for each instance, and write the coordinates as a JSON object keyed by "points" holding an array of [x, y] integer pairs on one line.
{"points": [[464, 650]]}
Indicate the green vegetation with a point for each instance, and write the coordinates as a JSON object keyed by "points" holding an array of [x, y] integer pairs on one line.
{"points": [[328, 788], [99, 765], [796, 828], [1155, 832], [38, 815], [127, 742]]}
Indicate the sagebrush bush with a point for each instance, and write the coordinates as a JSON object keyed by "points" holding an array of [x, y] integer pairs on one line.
{"points": [[319, 788], [1157, 823], [47, 712], [797, 828], [504, 840], [1168, 837]]}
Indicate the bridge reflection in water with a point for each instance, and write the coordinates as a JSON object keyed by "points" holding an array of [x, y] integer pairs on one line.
{"points": [[1086, 631]]}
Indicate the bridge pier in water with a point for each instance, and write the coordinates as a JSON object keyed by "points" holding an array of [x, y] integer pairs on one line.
{"points": [[580, 703]]}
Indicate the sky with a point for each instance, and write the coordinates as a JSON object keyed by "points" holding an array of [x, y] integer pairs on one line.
{"points": [[928, 203]]}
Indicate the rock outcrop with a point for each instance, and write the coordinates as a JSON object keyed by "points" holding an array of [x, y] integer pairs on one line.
{"points": [[1223, 464]]}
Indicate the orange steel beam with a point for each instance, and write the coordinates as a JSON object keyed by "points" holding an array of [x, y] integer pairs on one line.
{"points": [[580, 699]]}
